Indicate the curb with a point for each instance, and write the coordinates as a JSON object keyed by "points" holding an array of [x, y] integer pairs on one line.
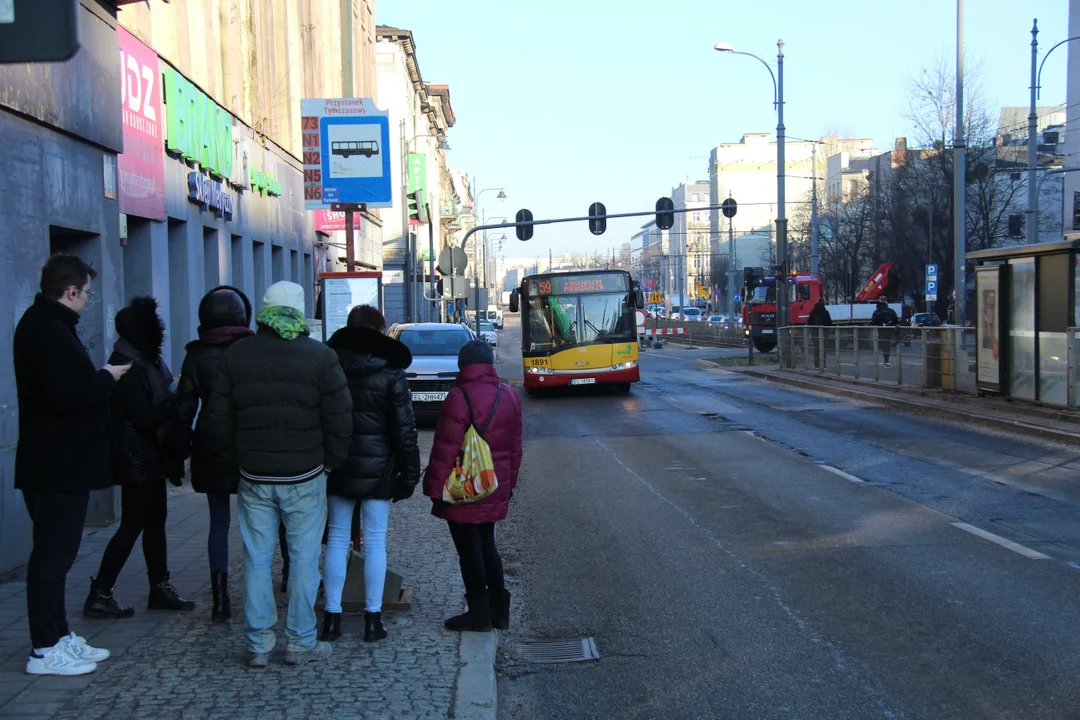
{"points": [[955, 414], [476, 691]]}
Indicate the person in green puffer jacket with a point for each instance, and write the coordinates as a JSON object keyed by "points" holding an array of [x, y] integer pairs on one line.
{"points": [[281, 403]]}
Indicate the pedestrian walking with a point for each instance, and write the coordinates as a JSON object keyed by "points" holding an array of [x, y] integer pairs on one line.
{"points": [[144, 459], [280, 402], [224, 318], [63, 453], [383, 463], [885, 318], [819, 317], [494, 410]]}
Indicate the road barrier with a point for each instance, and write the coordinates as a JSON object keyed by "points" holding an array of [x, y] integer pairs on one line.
{"points": [[699, 333], [942, 357]]}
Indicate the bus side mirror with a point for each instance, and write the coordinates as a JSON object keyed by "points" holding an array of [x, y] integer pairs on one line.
{"points": [[513, 301], [639, 299]]}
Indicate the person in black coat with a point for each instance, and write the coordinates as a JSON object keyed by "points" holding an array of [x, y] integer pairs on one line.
{"points": [[819, 317], [142, 408], [62, 455], [224, 318], [383, 464], [885, 318]]}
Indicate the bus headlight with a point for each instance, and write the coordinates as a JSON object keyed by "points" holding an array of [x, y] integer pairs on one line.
{"points": [[535, 370], [626, 365]]}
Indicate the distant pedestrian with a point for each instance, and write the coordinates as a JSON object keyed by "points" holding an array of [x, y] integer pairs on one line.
{"points": [[144, 459], [280, 402], [819, 317], [224, 318], [63, 453], [383, 463], [494, 409], [885, 318]]}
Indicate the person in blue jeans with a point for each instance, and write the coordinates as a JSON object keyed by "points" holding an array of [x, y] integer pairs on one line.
{"points": [[383, 463], [280, 401]]}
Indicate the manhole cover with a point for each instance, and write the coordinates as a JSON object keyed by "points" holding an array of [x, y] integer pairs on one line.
{"points": [[395, 621], [556, 651]]}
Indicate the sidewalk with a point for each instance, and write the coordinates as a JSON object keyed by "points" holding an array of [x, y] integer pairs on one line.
{"points": [[181, 665], [996, 413]]}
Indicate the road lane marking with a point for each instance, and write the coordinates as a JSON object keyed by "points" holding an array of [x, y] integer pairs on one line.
{"points": [[841, 473], [1008, 544]]}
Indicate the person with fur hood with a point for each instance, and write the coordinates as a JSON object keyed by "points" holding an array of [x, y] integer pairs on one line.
{"points": [[224, 318], [142, 404]]}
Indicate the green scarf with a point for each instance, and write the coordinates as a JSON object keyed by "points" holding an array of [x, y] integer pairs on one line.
{"points": [[287, 322]]}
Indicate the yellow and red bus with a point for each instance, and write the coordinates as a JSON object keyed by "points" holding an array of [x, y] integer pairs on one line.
{"points": [[579, 328]]}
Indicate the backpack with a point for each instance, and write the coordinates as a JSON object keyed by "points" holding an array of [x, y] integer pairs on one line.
{"points": [[473, 477]]}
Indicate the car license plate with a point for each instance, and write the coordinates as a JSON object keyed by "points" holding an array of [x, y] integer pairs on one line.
{"points": [[766, 331], [583, 381], [428, 396]]}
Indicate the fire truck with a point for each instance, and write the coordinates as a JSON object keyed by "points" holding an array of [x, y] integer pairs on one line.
{"points": [[759, 308]]}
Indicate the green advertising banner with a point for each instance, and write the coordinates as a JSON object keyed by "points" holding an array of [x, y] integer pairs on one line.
{"points": [[416, 176]]}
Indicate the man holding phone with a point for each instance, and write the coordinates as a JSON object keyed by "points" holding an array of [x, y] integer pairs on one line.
{"points": [[64, 452]]}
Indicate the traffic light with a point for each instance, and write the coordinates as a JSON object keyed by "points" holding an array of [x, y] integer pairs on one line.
{"points": [[597, 218], [417, 208], [524, 232], [665, 213], [752, 277], [1016, 226]]}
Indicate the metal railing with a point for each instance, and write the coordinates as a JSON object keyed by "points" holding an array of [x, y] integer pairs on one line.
{"points": [[702, 333], [916, 357], [1072, 367]]}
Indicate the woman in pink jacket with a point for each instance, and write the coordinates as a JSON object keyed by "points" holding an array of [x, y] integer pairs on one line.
{"points": [[481, 400]]}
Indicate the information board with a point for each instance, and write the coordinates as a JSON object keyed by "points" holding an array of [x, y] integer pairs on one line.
{"points": [[341, 292]]}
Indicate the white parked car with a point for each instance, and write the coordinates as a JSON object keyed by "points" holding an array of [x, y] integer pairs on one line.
{"points": [[691, 314], [434, 369], [489, 333]]}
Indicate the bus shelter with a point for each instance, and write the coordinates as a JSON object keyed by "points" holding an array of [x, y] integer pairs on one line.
{"points": [[1027, 303]]}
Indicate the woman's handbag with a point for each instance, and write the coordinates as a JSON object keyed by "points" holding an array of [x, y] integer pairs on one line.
{"points": [[473, 477]]}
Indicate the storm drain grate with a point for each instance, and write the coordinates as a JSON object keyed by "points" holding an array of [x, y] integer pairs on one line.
{"points": [[556, 651]]}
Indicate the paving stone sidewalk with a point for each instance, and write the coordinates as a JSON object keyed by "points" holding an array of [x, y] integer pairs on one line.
{"points": [[180, 665]]}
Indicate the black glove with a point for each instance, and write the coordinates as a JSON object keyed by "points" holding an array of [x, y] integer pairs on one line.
{"points": [[402, 492], [437, 503], [176, 481]]}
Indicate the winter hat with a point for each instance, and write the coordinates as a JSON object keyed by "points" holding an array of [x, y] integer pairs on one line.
{"points": [[475, 352], [285, 293], [224, 306]]}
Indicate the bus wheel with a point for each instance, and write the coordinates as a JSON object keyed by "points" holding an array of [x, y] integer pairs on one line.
{"points": [[532, 392], [622, 388]]}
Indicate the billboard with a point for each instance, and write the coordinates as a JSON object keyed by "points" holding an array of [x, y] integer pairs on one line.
{"points": [[141, 166]]}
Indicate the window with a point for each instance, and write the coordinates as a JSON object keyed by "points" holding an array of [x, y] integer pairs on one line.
{"points": [[697, 217], [434, 342], [697, 197]]}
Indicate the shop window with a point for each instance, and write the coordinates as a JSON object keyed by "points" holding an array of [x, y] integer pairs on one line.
{"points": [[181, 301], [258, 262], [236, 276], [138, 259], [211, 257], [277, 262]]}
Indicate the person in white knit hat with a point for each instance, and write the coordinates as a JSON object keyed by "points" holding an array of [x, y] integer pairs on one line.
{"points": [[282, 405]]}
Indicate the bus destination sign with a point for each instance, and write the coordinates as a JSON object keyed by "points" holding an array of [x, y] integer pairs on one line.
{"points": [[578, 284]]}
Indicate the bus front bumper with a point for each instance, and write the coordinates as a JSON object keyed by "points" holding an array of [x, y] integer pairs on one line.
{"points": [[565, 379]]}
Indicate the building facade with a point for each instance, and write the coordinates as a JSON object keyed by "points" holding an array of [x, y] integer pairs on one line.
{"points": [[1071, 206], [166, 154], [690, 237]]}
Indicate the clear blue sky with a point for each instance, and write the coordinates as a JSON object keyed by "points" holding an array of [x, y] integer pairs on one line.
{"points": [[567, 102]]}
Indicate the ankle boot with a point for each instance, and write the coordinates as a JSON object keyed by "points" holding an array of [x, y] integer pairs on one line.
{"points": [[331, 627], [219, 584], [163, 596], [500, 609], [373, 627], [102, 605], [477, 618]]}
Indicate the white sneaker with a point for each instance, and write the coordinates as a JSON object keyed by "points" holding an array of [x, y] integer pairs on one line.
{"points": [[78, 648], [57, 660]]}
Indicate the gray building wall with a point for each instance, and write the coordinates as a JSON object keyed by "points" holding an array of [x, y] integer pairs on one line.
{"points": [[52, 198]]}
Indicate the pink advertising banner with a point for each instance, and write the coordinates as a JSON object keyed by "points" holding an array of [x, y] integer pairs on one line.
{"points": [[330, 221], [141, 165]]}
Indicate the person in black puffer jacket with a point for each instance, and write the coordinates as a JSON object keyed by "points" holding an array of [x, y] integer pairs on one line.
{"points": [[224, 318], [383, 462], [142, 407]]}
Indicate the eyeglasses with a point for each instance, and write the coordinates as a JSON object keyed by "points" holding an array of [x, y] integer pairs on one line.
{"points": [[92, 297]]}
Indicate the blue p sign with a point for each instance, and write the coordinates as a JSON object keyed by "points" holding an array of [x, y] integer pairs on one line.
{"points": [[931, 271]]}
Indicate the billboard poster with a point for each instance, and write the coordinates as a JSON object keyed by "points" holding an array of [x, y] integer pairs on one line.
{"points": [[988, 327], [328, 221], [341, 292], [141, 166]]}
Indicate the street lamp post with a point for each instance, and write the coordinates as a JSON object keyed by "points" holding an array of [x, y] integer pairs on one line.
{"points": [[476, 282], [781, 220], [1033, 119]]}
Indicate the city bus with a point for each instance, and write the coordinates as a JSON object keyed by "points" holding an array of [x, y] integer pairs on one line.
{"points": [[579, 328]]}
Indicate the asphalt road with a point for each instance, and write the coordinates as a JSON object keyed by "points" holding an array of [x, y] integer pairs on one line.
{"points": [[741, 550]]}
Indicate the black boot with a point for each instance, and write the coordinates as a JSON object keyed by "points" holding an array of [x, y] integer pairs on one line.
{"points": [[500, 609], [373, 627], [102, 605], [163, 596], [477, 618], [331, 627], [219, 583]]}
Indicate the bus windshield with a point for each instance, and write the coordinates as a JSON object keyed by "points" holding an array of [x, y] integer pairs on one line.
{"points": [[556, 322]]}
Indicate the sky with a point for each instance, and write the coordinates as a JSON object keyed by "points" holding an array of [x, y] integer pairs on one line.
{"points": [[568, 102]]}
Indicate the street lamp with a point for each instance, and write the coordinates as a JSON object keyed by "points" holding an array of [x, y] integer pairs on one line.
{"points": [[781, 220], [1036, 78], [483, 221]]}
